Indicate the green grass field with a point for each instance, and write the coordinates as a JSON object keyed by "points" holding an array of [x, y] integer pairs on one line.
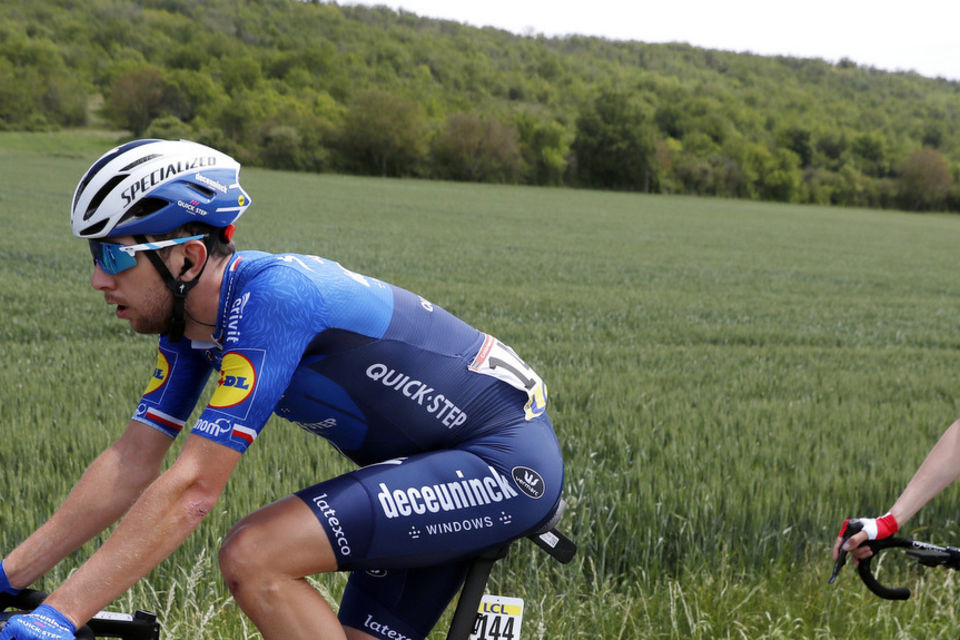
{"points": [[729, 381]]}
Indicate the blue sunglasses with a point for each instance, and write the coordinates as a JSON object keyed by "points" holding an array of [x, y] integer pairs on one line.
{"points": [[113, 258]]}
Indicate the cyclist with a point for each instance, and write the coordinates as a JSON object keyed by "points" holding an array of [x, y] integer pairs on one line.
{"points": [[448, 425], [940, 468]]}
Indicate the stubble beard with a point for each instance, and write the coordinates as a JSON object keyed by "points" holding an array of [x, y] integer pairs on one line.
{"points": [[156, 314]]}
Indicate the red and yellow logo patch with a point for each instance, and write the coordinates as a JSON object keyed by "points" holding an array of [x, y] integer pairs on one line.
{"points": [[238, 377], [160, 373]]}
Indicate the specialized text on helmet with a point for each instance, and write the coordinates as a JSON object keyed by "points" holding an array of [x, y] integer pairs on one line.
{"points": [[157, 176]]}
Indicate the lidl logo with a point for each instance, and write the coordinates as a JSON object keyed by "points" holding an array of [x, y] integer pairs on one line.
{"points": [[160, 373], [238, 377]]}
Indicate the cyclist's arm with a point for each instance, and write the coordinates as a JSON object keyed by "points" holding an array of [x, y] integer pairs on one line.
{"points": [[160, 520], [102, 495], [939, 470]]}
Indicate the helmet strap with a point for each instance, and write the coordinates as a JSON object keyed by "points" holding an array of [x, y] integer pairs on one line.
{"points": [[176, 325]]}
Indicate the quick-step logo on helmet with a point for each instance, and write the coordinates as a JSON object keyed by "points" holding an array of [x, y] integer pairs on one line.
{"points": [[162, 174], [160, 373], [192, 207], [462, 493]]}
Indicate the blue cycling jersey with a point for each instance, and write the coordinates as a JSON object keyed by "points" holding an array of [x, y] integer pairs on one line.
{"points": [[377, 370], [449, 424]]}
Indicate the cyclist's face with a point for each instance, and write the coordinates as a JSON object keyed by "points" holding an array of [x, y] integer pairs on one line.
{"points": [[138, 293]]}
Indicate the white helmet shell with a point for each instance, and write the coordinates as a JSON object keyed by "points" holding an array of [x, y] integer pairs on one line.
{"points": [[153, 187]]}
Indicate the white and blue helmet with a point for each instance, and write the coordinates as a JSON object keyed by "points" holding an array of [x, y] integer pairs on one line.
{"points": [[152, 187]]}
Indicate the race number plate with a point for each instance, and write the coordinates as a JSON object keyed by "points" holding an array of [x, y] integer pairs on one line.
{"points": [[500, 361], [498, 618]]}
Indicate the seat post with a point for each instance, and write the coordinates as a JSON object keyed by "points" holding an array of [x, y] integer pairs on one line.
{"points": [[465, 615], [547, 537]]}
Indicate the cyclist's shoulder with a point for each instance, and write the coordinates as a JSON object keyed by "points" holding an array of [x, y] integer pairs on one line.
{"points": [[268, 275], [292, 289], [260, 265], [304, 280], [259, 285]]}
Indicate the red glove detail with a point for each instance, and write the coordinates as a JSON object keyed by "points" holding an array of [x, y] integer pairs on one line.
{"points": [[843, 528], [879, 528], [886, 526], [876, 528]]}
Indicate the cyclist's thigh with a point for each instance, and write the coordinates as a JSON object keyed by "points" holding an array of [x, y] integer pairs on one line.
{"points": [[281, 536], [529, 455], [441, 506]]}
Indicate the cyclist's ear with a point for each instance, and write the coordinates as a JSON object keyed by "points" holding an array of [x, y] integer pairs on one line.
{"points": [[194, 254]]}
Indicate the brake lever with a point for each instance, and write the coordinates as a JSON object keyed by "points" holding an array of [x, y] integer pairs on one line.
{"points": [[841, 560], [853, 527]]}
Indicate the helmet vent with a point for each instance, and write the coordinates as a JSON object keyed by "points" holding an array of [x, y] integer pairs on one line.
{"points": [[100, 195], [101, 163], [143, 208], [83, 185], [139, 161], [93, 229], [206, 192]]}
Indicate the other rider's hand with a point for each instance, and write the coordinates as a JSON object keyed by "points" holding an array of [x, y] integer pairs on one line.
{"points": [[873, 529], [43, 623]]}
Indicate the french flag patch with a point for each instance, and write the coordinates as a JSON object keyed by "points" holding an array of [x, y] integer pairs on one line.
{"points": [[164, 419], [244, 433]]}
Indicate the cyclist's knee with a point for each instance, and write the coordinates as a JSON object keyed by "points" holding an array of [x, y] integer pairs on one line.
{"points": [[247, 553], [274, 544]]}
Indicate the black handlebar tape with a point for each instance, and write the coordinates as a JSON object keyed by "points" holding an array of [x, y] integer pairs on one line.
{"points": [[26, 600], [84, 633], [864, 568], [888, 593]]}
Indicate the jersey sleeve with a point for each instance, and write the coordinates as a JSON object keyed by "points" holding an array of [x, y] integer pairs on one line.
{"points": [[271, 325], [175, 385]]}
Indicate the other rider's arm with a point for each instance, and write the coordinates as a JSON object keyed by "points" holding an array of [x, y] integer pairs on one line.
{"points": [[107, 489], [940, 468], [161, 519]]}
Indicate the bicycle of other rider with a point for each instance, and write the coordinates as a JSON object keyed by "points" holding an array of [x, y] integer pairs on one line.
{"points": [[926, 554]]}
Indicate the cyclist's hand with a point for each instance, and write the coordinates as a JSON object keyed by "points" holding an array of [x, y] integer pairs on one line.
{"points": [[5, 586], [44, 623], [872, 529]]}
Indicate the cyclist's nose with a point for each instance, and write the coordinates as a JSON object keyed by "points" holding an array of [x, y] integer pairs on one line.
{"points": [[99, 280]]}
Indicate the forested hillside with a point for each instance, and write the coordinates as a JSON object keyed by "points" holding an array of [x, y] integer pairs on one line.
{"points": [[319, 87]]}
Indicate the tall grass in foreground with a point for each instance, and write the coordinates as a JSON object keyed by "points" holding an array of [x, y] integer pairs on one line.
{"points": [[729, 380]]}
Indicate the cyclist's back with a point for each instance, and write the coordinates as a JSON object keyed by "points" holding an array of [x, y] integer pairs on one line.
{"points": [[377, 370]]}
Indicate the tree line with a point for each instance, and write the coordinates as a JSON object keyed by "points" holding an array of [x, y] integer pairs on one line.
{"points": [[314, 86]]}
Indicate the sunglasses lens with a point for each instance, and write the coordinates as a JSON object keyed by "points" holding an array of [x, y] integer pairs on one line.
{"points": [[110, 258]]}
